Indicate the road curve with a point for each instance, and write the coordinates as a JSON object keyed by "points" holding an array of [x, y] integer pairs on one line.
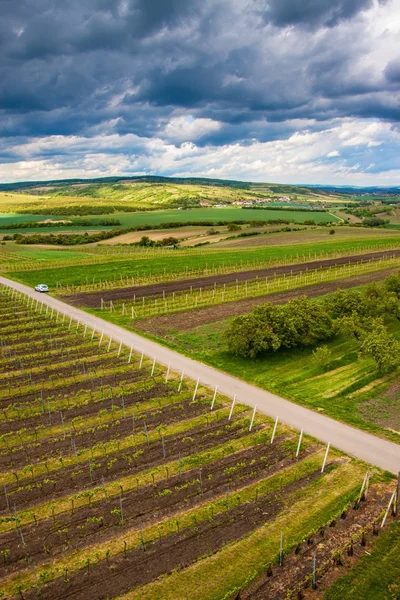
{"points": [[362, 445]]}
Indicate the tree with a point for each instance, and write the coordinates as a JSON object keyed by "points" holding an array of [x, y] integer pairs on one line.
{"points": [[381, 346], [347, 302], [233, 227], [322, 357], [392, 284], [301, 322], [251, 334], [170, 241]]}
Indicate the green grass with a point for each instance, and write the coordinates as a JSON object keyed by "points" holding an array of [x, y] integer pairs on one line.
{"points": [[179, 262], [377, 575], [11, 218], [51, 255], [293, 375], [220, 214]]}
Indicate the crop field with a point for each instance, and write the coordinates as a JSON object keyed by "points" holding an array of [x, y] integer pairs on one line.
{"points": [[314, 234], [108, 267], [147, 305], [122, 477]]}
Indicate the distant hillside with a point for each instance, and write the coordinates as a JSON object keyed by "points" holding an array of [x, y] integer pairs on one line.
{"points": [[32, 186]]}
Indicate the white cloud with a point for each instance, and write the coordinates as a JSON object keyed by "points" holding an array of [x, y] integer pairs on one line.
{"points": [[186, 128], [325, 156]]}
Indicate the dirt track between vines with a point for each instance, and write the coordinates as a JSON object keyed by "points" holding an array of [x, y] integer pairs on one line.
{"points": [[93, 299], [194, 318]]}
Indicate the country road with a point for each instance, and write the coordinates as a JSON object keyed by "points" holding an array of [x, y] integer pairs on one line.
{"points": [[371, 449]]}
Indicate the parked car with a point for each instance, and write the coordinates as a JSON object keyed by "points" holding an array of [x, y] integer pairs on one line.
{"points": [[42, 287]]}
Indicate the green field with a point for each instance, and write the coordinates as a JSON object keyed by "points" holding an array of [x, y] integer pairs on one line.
{"points": [[221, 214], [342, 392], [179, 262], [13, 218]]}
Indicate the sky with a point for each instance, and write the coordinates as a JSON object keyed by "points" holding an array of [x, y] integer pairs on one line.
{"points": [[285, 91]]}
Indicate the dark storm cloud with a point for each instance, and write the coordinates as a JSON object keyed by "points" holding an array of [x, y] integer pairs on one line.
{"points": [[71, 68], [312, 13]]}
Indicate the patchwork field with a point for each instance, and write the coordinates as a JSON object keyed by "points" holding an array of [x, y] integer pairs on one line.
{"points": [[121, 477], [104, 267], [124, 479]]}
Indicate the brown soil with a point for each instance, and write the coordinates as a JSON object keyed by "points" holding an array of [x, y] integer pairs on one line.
{"points": [[117, 464], [88, 405], [176, 551], [34, 452], [93, 299], [149, 504], [194, 318], [384, 409], [329, 544]]}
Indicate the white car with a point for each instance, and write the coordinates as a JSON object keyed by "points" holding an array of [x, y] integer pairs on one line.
{"points": [[42, 287]]}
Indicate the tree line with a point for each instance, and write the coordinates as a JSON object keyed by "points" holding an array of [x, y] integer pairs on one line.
{"points": [[86, 238], [303, 322]]}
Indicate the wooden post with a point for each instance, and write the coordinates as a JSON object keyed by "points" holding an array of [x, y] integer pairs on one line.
{"points": [[109, 344], [364, 489], [130, 355], [84, 331], [153, 367], [101, 338], [314, 576], [281, 551], [141, 360], [93, 332], [232, 407], [397, 503], [274, 430], [120, 348], [214, 397], [252, 418], [388, 508], [167, 373], [299, 444], [181, 381], [325, 457], [195, 389]]}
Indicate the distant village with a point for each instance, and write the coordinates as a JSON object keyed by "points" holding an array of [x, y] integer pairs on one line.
{"points": [[256, 201]]}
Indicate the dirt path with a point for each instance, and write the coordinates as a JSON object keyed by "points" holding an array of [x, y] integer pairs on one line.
{"points": [[193, 318], [367, 447], [93, 299]]}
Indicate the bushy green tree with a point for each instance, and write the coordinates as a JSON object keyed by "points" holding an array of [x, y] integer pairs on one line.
{"points": [[392, 284], [381, 346], [322, 356], [300, 322]]}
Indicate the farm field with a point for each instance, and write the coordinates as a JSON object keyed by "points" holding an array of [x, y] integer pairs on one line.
{"points": [[121, 477], [184, 295], [113, 266], [223, 214], [314, 234], [191, 316]]}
